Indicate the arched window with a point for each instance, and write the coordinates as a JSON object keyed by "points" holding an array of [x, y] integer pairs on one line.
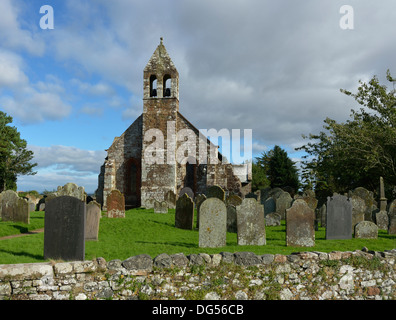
{"points": [[153, 86], [167, 85]]}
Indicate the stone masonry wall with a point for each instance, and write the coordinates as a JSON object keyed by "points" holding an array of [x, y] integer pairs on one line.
{"points": [[357, 275]]}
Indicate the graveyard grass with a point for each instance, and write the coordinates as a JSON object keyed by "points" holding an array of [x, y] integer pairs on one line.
{"points": [[144, 232]]}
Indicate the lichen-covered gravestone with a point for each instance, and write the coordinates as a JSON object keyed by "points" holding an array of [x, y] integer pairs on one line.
{"points": [[216, 192], [199, 199], [73, 190], [64, 232], [366, 230], [339, 217], [368, 198], [184, 214], [283, 202], [358, 210], [14, 208], [160, 206], [300, 229], [115, 204], [251, 223], [212, 223], [382, 220], [93, 214]]}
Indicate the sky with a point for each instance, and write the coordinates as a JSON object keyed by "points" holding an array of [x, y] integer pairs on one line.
{"points": [[275, 67]]}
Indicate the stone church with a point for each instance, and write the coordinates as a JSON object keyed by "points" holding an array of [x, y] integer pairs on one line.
{"points": [[129, 165]]}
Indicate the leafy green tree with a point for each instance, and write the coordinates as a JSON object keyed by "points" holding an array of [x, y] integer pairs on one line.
{"points": [[14, 157], [259, 179], [359, 151], [280, 169]]}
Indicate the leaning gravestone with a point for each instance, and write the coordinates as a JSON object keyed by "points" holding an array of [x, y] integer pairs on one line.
{"points": [[184, 214], [300, 230], [92, 221], [250, 223], [64, 229], [160, 206], [115, 204], [216, 192], [366, 230], [212, 223], [339, 217], [73, 190]]}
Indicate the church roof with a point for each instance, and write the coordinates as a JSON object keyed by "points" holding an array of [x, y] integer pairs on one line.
{"points": [[160, 60]]}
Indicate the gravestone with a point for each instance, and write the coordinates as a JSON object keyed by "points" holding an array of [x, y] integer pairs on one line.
{"points": [[14, 208], [283, 202], [231, 218], [64, 231], [199, 199], [392, 225], [93, 214], [300, 229], [310, 198], [234, 200], [115, 204], [212, 223], [339, 217], [250, 223], [382, 220], [322, 215], [73, 190], [188, 191], [369, 201], [251, 195], [215, 192], [160, 206], [366, 230], [273, 219], [269, 206], [383, 200], [170, 198], [184, 214], [358, 210], [32, 206]]}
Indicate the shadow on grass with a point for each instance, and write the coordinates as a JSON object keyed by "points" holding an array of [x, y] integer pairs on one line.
{"points": [[23, 254]]}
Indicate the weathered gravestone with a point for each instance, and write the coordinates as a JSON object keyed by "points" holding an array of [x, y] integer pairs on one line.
{"points": [[64, 229], [368, 198], [392, 217], [322, 213], [184, 214], [273, 219], [170, 198], [199, 199], [231, 218], [212, 223], [269, 206], [283, 202], [188, 191], [366, 230], [382, 220], [215, 192], [300, 230], [251, 223], [339, 217], [14, 208], [115, 204], [310, 198], [358, 210], [160, 206], [73, 190], [234, 200], [93, 214]]}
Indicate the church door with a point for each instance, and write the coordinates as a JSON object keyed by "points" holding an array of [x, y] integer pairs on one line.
{"points": [[133, 183]]}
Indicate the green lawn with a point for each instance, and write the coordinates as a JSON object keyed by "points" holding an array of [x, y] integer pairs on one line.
{"points": [[143, 231]]}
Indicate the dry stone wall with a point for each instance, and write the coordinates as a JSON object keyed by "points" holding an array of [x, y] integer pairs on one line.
{"points": [[357, 275]]}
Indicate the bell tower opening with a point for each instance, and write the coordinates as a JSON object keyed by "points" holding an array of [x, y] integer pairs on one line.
{"points": [[153, 86], [167, 85]]}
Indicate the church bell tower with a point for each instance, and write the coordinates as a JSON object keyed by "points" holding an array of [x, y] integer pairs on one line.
{"points": [[160, 109]]}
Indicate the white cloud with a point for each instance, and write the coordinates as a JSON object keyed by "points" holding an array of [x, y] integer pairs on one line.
{"points": [[11, 74], [98, 89]]}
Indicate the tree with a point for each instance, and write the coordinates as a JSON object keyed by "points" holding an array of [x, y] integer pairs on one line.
{"points": [[14, 157], [259, 177], [359, 151], [280, 169]]}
